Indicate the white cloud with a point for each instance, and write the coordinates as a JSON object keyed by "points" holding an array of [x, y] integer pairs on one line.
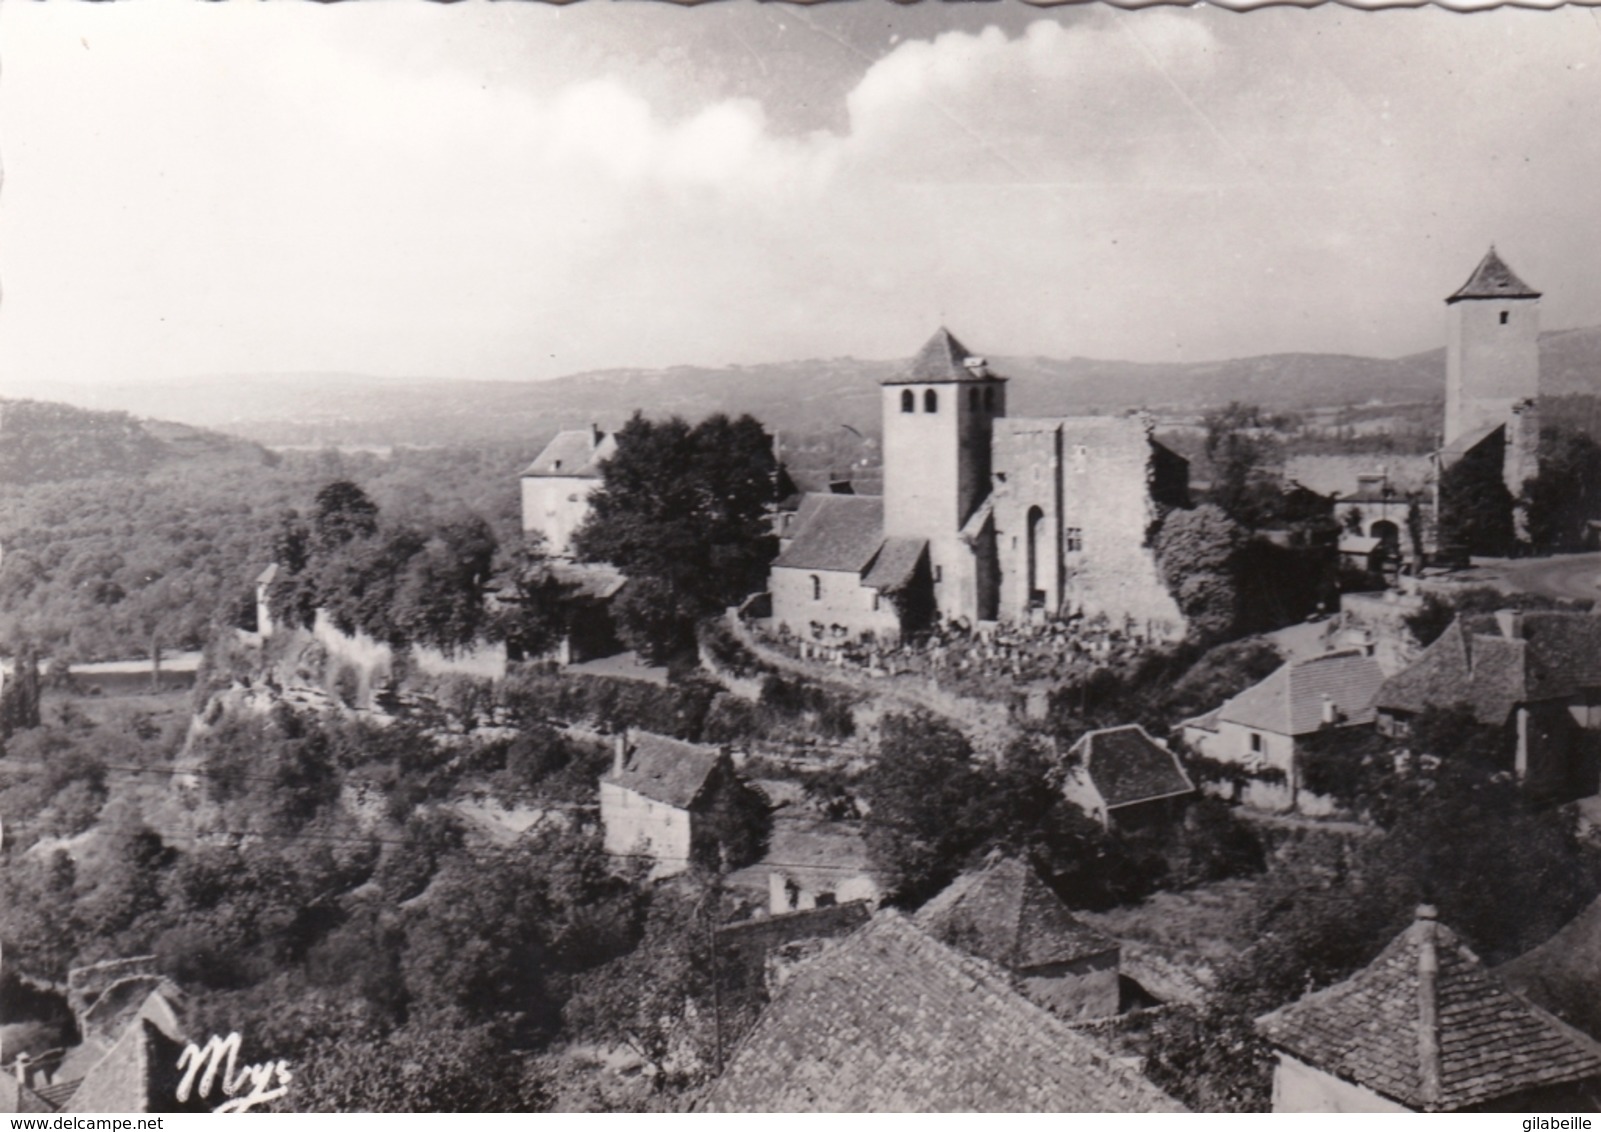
{"points": [[482, 191]]}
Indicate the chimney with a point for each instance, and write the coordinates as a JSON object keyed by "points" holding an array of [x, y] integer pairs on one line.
{"points": [[1331, 714], [1510, 622], [1428, 1020], [596, 436], [620, 752]]}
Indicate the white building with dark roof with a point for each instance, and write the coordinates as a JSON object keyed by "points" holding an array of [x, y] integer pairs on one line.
{"points": [[655, 799]]}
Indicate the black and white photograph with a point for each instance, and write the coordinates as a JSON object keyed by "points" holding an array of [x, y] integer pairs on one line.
{"points": [[648, 557]]}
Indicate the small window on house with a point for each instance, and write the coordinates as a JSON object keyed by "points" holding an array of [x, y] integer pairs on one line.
{"points": [[930, 401], [989, 397], [1503, 318], [875, 601], [555, 465], [972, 399], [939, 574], [817, 588], [1073, 539], [908, 401], [1256, 743]]}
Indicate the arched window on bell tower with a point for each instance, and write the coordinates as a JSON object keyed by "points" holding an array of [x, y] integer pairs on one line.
{"points": [[930, 401], [908, 401]]}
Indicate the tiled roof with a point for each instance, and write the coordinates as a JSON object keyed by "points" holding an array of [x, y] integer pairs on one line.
{"points": [[1552, 655], [1468, 1042], [576, 452], [1127, 766], [58, 1094], [1563, 974], [1005, 913], [835, 532], [139, 1074], [1493, 279], [1290, 700], [891, 1020], [895, 563], [589, 579], [942, 359], [667, 770]]}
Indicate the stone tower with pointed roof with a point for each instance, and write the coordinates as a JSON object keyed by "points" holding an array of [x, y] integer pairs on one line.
{"points": [[939, 418], [1492, 352]]}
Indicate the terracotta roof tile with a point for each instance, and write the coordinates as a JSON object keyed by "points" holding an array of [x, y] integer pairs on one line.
{"points": [[1493, 279], [1005, 913], [1490, 1044], [1127, 766], [667, 770], [891, 1020]]}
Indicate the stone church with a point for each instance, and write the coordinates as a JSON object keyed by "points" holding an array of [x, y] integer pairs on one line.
{"points": [[984, 517]]}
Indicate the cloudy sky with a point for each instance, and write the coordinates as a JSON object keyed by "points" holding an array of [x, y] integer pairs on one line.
{"points": [[520, 190]]}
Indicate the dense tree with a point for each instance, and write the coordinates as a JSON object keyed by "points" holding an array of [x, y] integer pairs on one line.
{"points": [[683, 512], [1565, 496]]}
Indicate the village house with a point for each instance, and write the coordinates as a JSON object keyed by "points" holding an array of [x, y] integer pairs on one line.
{"points": [[1005, 913], [1535, 674], [659, 797], [1426, 1028], [1126, 780], [556, 487], [1263, 729], [983, 517], [130, 1035], [769, 948], [889, 1019]]}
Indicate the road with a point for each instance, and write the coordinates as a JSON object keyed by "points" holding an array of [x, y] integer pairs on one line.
{"points": [[1566, 575]]}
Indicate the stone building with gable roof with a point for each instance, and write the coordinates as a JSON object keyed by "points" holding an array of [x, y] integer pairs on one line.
{"points": [[1426, 1028], [1264, 727], [1005, 913], [889, 1019], [1124, 779]]}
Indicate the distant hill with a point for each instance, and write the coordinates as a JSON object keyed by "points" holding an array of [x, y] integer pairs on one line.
{"points": [[45, 442], [803, 396]]}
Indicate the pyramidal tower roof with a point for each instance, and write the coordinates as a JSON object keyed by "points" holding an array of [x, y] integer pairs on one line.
{"points": [[1493, 279], [1005, 913], [1427, 1026], [943, 359]]}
